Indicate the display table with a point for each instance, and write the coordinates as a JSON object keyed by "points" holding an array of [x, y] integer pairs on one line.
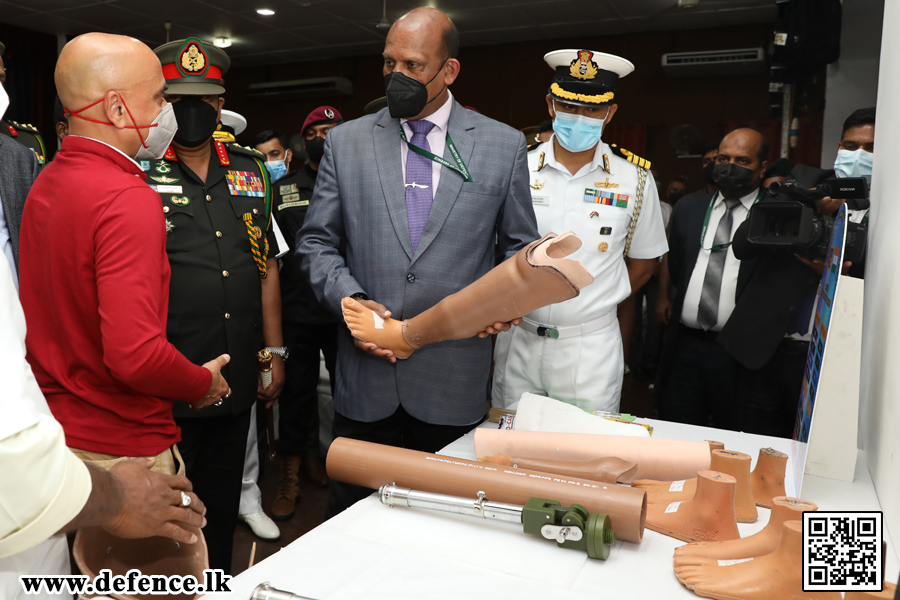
{"points": [[371, 551]]}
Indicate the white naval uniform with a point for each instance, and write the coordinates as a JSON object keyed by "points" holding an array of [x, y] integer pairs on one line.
{"points": [[586, 369]]}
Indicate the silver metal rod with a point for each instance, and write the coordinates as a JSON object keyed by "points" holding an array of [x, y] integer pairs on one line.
{"points": [[391, 495]]}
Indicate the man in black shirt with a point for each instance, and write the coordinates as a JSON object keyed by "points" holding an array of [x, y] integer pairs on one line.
{"points": [[308, 327]]}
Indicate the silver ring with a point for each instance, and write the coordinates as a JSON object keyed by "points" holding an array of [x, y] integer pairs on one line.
{"points": [[228, 395], [185, 499]]}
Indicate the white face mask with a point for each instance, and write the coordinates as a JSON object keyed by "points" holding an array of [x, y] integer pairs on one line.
{"points": [[159, 137], [854, 163], [4, 101]]}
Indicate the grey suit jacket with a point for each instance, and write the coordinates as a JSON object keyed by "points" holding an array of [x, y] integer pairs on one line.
{"points": [[360, 199], [18, 170]]}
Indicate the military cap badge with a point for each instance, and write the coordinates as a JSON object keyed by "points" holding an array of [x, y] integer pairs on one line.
{"points": [[583, 67], [192, 58]]}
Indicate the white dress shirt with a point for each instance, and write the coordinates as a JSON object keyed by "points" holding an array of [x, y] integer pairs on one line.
{"points": [[732, 264], [437, 139]]}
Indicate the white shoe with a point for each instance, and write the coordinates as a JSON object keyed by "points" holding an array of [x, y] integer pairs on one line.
{"points": [[262, 525]]}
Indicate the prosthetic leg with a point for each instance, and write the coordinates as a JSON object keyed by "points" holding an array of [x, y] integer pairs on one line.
{"points": [[760, 544], [767, 479], [608, 469], [776, 576], [540, 274], [707, 517]]}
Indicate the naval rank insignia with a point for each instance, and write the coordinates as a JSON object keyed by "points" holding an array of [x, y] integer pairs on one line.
{"points": [[541, 162], [245, 183], [606, 198], [583, 67]]}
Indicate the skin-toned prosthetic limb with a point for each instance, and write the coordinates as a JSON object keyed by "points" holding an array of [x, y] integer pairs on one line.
{"points": [[656, 458], [736, 464], [767, 479], [775, 576], [759, 544], [373, 465], [607, 470], [707, 517], [95, 550], [540, 274], [650, 483], [888, 592]]}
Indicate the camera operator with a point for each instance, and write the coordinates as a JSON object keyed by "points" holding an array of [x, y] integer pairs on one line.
{"points": [[769, 331]]}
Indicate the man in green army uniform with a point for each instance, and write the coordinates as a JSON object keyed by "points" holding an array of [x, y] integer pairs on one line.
{"points": [[25, 134], [224, 293]]}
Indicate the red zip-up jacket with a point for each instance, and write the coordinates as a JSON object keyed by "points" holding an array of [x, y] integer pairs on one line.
{"points": [[94, 284]]}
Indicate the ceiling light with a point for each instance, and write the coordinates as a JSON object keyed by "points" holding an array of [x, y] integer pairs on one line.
{"points": [[222, 42], [265, 11]]}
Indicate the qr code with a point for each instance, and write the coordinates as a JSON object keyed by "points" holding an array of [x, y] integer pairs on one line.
{"points": [[842, 551]]}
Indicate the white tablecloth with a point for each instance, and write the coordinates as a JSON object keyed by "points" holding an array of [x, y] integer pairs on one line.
{"points": [[371, 551]]}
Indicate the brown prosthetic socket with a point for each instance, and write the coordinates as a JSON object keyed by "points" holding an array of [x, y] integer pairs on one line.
{"points": [[605, 470], [95, 549], [540, 274]]}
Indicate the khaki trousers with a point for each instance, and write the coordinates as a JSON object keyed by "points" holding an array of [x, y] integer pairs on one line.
{"points": [[168, 462]]}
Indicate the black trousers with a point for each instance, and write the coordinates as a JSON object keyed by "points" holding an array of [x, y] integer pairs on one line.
{"points": [[213, 451], [401, 430], [701, 387], [646, 342], [298, 405], [768, 398]]}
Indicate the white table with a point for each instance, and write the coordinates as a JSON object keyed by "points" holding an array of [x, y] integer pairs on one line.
{"points": [[371, 551]]}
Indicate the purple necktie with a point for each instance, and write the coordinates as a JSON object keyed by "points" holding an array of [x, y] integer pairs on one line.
{"points": [[419, 194]]}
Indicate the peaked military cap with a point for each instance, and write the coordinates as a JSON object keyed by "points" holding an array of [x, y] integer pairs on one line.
{"points": [[193, 67], [585, 77]]}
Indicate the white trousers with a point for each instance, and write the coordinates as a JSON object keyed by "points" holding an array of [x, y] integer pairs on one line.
{"points": [[50, 557], [585, 370], [251, 497]]}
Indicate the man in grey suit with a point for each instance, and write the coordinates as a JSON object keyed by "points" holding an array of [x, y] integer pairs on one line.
{"points": [[18, 170], [421, 220]]}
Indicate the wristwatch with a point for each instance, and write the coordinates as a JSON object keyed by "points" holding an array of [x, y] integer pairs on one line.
{"points": [[282, 351], [360, 296]]}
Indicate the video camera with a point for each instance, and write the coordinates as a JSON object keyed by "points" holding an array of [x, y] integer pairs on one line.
{"points": [[797, 225]]}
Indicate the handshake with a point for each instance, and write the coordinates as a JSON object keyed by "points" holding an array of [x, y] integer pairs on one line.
{"points": [[218, 389]]}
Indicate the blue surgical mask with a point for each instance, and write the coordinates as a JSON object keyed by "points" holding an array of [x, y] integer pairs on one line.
{"points": [[277, 169], [854, 163], [577, 133]]}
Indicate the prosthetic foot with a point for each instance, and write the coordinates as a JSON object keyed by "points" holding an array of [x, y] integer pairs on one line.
{"points": [[767, 479], [765, 542], [95, 550], [540, 274], [707, 517], [608, 469], [775, 576], [736, 464]]}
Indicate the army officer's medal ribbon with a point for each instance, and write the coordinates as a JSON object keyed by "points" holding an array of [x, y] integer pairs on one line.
{"points": [[245, 183]]}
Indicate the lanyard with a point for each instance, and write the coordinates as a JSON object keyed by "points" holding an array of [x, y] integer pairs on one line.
{"points": [[459, 167], [709, 209]]}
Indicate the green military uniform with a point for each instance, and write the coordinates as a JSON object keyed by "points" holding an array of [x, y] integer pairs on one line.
{"points": [[215, 296], [28, 136], [218, 240]]}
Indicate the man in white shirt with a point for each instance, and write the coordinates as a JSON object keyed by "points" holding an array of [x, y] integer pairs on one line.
{"points": [[699, 377], [572, 351]]}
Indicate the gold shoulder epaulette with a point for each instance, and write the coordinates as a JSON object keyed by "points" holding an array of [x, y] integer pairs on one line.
{"points": [[235, 147], [630, 156]]}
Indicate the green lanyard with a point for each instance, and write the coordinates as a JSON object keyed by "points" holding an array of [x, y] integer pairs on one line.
{"points": [[712, 203], [459, 167]]}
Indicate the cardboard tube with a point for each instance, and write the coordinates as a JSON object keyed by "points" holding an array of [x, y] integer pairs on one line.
{"points": [[373, 465], [657, 458]]}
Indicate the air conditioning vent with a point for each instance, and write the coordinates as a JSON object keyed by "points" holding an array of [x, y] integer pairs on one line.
{"points": [[303, 88], [714, 63]]}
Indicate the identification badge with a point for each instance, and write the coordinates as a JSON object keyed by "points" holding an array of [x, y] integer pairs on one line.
{"points": [[285, 205], [540, 200], [166, 189], [288, 189], [245, 183], [605, 198]]}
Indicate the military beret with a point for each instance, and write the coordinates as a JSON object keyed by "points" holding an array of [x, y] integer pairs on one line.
{"points": [[584, 77], [322, 115], [193, 68]]}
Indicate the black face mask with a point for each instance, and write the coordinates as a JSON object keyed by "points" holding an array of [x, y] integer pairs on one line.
{"points": [[733, 180], [708, 172], [407, 97], [315, 149], [197, 121], [675, 197]]}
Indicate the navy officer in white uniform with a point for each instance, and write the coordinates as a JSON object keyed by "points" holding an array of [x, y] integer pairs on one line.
{"points": [[572, 351]]}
